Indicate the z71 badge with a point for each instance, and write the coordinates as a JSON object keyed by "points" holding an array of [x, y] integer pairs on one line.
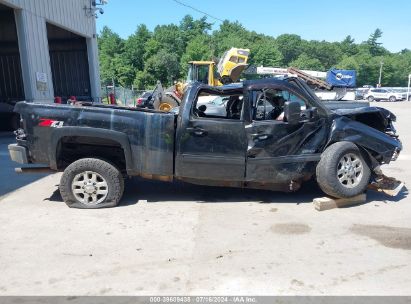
{"points": [[45, 122]]}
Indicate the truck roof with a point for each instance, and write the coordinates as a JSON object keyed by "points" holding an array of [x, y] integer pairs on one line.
{"points": [[256, 83]]}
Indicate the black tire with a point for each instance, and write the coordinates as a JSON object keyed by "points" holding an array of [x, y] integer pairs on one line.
{"points": [[166, 99], [329, 166], [392, 99], [370, 98], [226, 80], [110, 175]]}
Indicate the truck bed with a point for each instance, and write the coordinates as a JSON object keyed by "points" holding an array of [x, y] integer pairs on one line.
{"points": [[148, 134]]}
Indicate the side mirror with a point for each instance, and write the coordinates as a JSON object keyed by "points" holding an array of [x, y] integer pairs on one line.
{"points": [[292, 112]]}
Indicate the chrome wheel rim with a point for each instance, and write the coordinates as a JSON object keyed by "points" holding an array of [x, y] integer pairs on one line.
{"points": [[89, 188], [350, 170]]}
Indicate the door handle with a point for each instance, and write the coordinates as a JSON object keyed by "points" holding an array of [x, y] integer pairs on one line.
{"points": [[197, 131], [260, 136]]}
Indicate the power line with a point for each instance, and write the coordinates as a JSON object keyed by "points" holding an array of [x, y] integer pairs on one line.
{"points": [[197, 10]]}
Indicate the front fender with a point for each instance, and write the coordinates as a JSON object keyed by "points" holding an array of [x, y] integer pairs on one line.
{"points": [[380, 145]]}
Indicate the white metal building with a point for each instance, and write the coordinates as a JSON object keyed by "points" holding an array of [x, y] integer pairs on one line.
{"points": [[48, 48]]}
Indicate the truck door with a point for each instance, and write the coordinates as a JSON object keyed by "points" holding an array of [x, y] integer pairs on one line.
{"points": [[211, 141], [279, 152]]}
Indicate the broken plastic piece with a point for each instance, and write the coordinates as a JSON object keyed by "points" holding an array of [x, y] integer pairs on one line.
{"points": [[388, 185]]}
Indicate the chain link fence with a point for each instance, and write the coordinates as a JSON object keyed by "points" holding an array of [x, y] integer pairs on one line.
{"points": [[123, 96]]}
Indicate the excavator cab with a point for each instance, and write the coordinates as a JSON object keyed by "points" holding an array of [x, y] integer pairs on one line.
{"points": [[232, 64], [228, 69], [201, 71]]}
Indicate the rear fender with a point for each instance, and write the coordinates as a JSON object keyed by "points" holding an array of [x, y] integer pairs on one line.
{"points": [[115, 136]]}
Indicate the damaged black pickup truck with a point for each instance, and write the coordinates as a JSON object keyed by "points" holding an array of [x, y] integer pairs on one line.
{"points": [[266, 134]]}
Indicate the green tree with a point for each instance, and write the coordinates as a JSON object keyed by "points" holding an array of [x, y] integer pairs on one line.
{"points": [[191, 28], [170, 38], [196, 50], [290, 46], [163, 66], [151, 48], [328, 54], [135, 47], [144, 80], [375, 47], [145, 57], [110, 45], [266, 53], [306, 62], [230, 34], [348, 46]]}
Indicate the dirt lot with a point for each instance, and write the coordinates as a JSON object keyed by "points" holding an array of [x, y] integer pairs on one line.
{"points": [[183, 239]]}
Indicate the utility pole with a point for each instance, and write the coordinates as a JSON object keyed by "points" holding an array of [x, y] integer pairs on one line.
{"points": [[409, 83], [379, 80]]}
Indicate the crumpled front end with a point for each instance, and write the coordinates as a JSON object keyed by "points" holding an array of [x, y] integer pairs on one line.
{"points": [[372, 129]]}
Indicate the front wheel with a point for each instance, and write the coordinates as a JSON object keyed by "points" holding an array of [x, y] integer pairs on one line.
{"points": [[91, 183], [342, 171], [370, 98], [392, 99]]}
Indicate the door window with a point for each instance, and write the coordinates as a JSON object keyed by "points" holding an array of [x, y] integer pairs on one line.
{"points": [[269, 104], [218, 106], [203, 74]]}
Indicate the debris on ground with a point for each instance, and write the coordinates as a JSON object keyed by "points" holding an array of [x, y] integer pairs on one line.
{"points": [[387, 185]]}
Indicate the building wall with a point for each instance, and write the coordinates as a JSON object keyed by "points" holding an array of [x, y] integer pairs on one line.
{"points": [[31, 18]]}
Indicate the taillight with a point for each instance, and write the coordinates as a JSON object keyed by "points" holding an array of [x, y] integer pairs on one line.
{"points": [[139, 101]]}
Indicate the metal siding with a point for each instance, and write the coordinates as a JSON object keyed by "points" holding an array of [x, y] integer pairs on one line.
{"points": [[69, 15]]}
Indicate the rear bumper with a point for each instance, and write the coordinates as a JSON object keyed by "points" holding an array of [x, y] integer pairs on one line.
{"points": [[18, 154]]}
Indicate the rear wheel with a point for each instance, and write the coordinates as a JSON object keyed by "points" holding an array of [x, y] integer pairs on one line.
{"points": [[342, 171], [392, 99], [91, 183], [370, 98]]}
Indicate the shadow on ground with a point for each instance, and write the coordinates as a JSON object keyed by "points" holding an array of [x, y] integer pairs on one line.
{"points": [[137, 189], [10, 180]]}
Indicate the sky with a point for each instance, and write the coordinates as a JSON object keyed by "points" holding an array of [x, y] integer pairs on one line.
{"points": [[311, 19]]}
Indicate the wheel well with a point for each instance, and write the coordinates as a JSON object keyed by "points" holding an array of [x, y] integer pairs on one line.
{"points": [[371, 157], [72, 148]]}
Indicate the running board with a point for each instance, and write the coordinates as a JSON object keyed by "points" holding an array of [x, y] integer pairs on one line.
{"points": [[34, 170]]}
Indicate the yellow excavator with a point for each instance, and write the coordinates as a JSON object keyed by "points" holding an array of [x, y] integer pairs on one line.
{"points": [[227, 70]]}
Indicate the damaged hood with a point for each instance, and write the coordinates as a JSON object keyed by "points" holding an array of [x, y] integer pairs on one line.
{"points": [[375, 117], [384, 113]]}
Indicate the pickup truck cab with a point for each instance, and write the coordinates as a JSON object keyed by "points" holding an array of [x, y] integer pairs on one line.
{"points": [[270, 134]]}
